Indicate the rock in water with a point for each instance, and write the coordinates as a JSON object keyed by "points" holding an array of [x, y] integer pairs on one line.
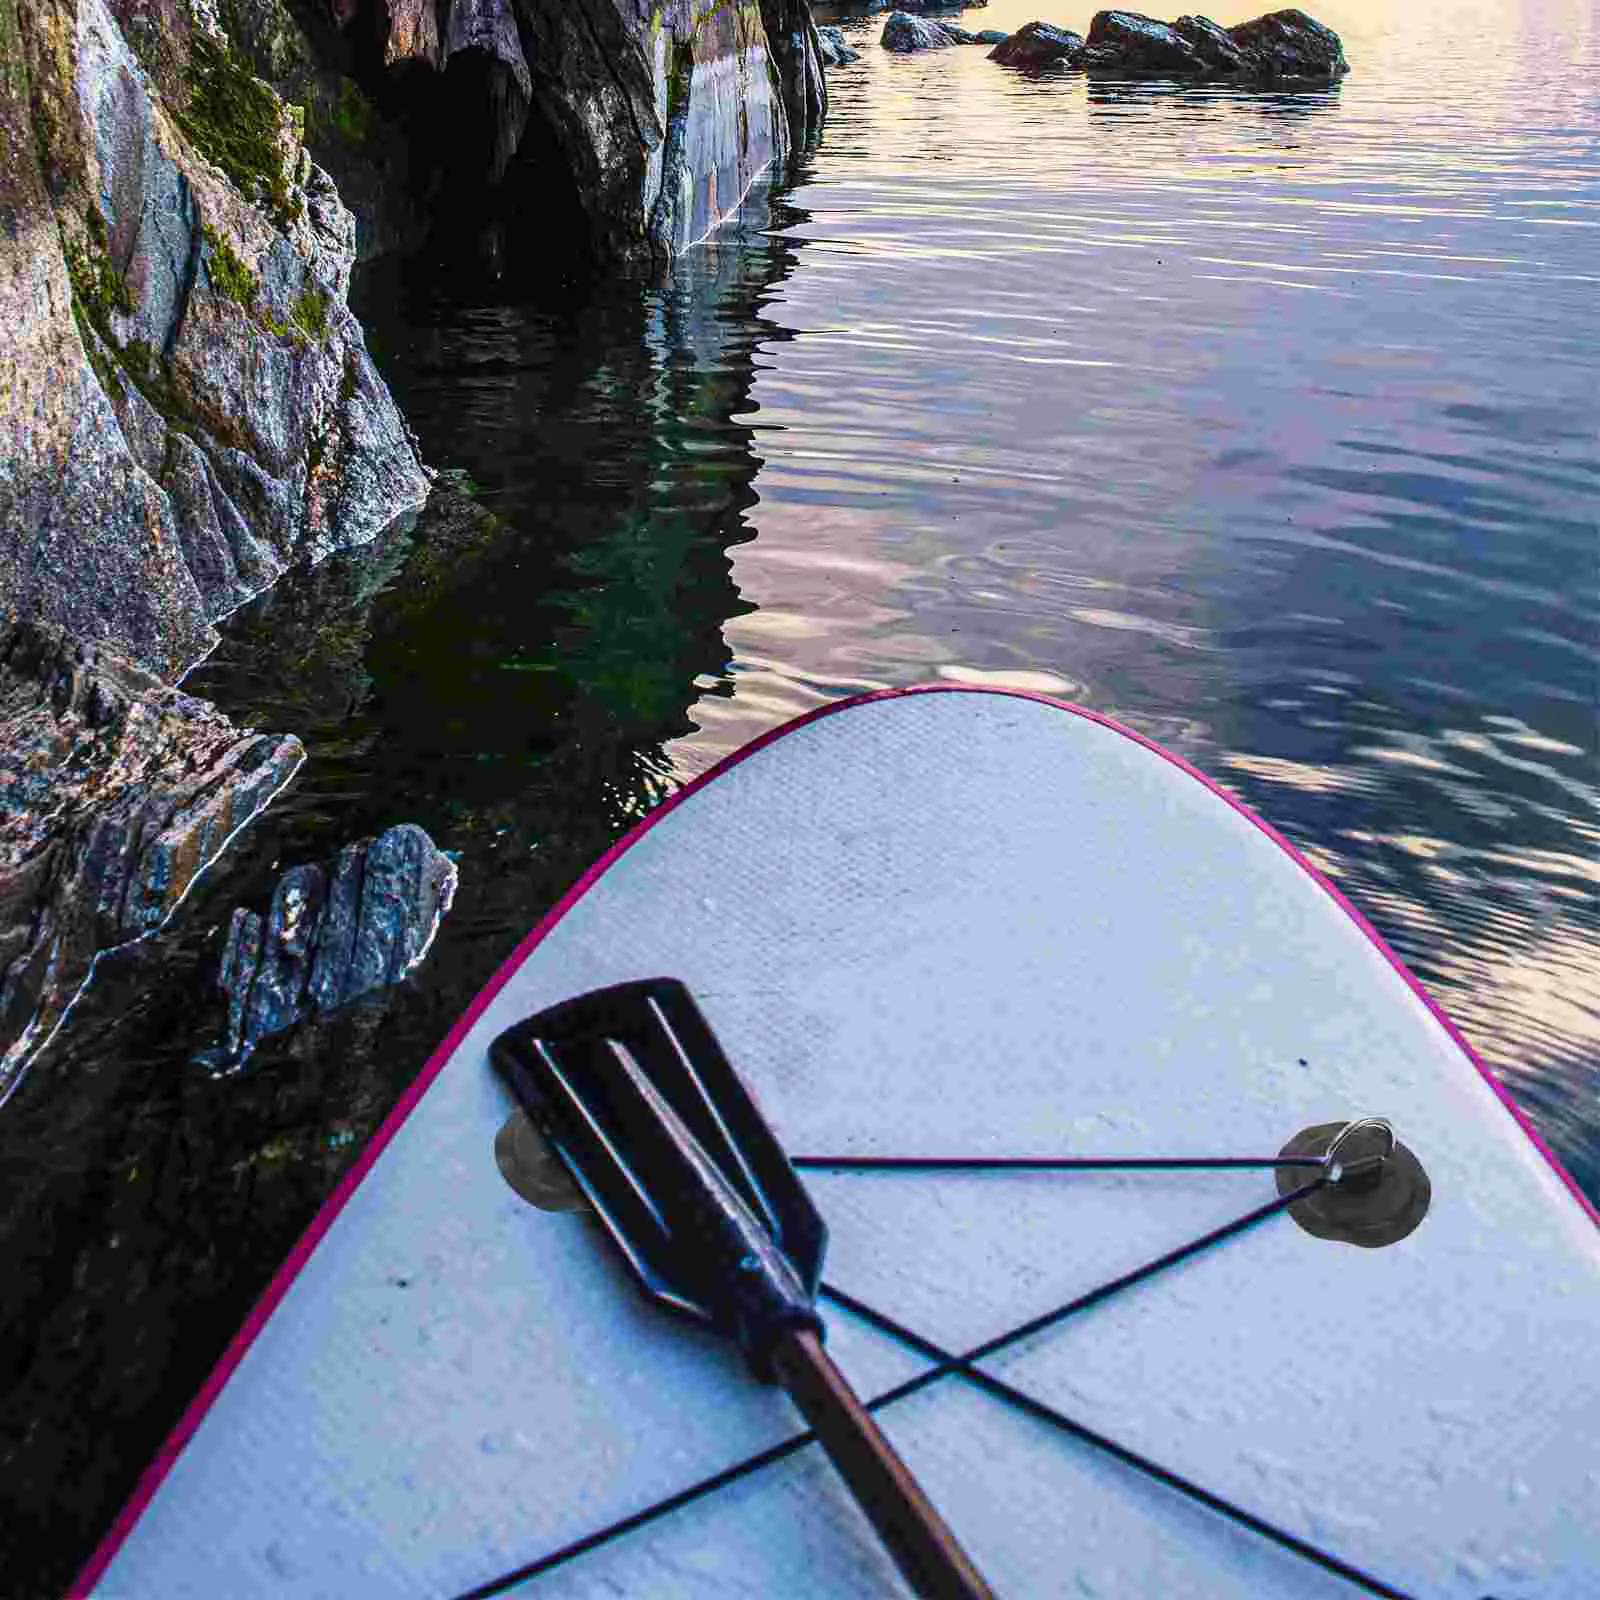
{"points": [[1213, 46], [332, 933], [1290, 47], [1038, 44], [835, 52], [1137, 44], [903, 33], [1284, 47], [116, 793]]}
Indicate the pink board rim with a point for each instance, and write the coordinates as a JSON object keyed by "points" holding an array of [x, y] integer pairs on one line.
{"points": [[154, 1475]]}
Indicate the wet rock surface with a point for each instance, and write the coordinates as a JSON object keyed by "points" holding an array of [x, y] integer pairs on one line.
{"points": [[1288, 46], [904, 33], [116, 794], [333, 932], [1284, 47], [1039, 44], [835, 52]]}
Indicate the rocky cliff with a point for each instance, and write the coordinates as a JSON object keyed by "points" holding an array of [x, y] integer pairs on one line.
{"points": [[518, 135], [189, 406]]}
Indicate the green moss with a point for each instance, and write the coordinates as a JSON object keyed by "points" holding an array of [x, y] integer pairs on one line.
{"points": [[680, 72], [111, 379], [233, 119], [230, 277], [309, 313], [233, 280], [98, 288]]}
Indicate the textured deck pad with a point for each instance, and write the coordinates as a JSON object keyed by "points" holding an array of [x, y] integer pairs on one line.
{"points": [[944, 923]]}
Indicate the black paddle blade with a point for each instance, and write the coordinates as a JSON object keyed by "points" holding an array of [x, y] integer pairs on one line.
{"points": [[634, 1093]]}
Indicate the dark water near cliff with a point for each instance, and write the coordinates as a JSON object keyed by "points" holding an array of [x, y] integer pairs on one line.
{"points": [[1266, 423]]}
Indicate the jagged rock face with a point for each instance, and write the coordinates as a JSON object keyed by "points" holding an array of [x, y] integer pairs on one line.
{"points": [[797, 54], [116, 793], [192, 406], [333, 933], [552, 134], [86, 537]]}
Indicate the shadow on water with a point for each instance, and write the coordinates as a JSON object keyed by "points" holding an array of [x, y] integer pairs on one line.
{"points": [[507, 674]]}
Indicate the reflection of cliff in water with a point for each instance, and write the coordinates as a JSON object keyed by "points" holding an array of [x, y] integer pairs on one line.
{"points": [[509, 680]]}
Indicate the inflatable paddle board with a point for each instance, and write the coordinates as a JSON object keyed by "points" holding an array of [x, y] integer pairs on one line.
{"points": [[941, 924]]}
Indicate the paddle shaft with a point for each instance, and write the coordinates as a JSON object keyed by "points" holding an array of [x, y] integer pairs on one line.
{"points": [[915, 1534]]}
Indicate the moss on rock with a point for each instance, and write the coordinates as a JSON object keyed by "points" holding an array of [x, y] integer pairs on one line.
{"points": [[233, 119], [309, 313], [98, 289], [230, 277]]}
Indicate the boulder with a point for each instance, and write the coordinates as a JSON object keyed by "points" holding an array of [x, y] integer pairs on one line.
{"points": [[1284, 47], [1213, 46], [1290, 47], [333, 932], [904, 33], [1126, 41], [835, 52], [116, 794], [1038, 44]]}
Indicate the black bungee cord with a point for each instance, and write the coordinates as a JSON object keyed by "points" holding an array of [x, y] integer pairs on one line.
{"points": [[947, 1364]]}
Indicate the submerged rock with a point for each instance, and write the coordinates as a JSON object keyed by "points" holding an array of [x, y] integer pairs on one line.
{"points": [[333, 933], [1039, 44], [903, 33], [116, 794]]}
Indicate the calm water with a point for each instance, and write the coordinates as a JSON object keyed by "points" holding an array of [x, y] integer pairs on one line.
{"points": [[1266, 423]]}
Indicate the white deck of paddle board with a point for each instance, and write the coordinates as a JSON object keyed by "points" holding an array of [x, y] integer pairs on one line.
{"points": [[945, 924]]}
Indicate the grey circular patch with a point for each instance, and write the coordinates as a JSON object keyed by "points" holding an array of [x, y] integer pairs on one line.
{"points": [[533, 1169], [1378, 1203]]}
